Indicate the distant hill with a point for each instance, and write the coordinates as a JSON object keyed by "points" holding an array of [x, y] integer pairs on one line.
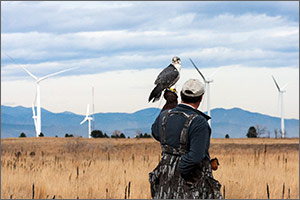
{"points": [[234, 122]]}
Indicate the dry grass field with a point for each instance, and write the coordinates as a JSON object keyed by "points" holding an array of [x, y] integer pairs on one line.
{"points": [[118, 168]]}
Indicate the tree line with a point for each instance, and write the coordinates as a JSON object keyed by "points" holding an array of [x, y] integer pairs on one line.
{"points": [[100, 134], [256, 131]]}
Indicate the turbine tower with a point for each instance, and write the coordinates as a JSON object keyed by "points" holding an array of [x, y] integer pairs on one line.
{"points": [[280, 95], [37, 101], [93, 109], [207, 81], [88, 118]]}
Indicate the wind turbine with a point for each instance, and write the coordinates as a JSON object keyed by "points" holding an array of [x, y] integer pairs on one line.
{"points": [[207, 81], [37, 117], [280, 96], [37, 101], [88, 118]]}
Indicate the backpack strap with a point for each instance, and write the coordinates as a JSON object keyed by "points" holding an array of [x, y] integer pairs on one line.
{"points": [[189, 119], [163, 132], [186, 125]]}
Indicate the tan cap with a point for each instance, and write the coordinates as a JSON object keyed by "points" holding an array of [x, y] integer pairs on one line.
{"points": [[193, 88]]}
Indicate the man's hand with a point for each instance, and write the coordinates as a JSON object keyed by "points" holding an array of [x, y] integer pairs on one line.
{"points": [[214, 164]]}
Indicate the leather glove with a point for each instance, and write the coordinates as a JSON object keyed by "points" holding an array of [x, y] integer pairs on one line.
{"points": [[214, 164]]}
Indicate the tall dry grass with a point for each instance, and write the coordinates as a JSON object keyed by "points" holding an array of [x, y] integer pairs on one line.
{"points": [[118, 168]]}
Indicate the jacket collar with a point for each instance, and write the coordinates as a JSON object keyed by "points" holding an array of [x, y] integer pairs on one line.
{"points": [[185, 106]]}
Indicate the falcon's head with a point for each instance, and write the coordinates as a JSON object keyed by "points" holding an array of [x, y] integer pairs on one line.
{"points": [[176, 62]]}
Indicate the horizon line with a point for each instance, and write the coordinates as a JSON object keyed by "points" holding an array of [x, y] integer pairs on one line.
{"points": [[254, 112]]}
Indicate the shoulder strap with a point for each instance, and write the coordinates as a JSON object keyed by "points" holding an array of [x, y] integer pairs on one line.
{"points": [[184, 132], [187, 123], [163, 132]]}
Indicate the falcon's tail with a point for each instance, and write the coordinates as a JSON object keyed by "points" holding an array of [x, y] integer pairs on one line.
{"points": [[156, 93]]}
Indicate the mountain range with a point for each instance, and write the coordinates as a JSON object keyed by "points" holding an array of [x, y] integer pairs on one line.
{"points": [[235, 122]]}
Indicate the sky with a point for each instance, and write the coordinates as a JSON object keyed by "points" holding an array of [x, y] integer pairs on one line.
{"points": [[121, 47]]}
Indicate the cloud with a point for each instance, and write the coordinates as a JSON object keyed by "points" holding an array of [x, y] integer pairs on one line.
{"points": [[122, 46], [96, 33], [272, 47], [61, 17]]}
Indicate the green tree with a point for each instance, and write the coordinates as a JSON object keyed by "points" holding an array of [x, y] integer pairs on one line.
{"points": [[252, 132], [141, 135], [22, 134], [69, 135], [41, 135], [146, 135], [97, 134], [122, 135], [227, 136]]}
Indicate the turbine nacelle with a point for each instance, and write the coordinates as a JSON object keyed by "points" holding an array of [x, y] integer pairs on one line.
{"points": [[209, 80], [86, 119]]}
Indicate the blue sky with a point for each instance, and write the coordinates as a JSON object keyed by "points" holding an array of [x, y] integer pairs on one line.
{"points": [[122, 39]]}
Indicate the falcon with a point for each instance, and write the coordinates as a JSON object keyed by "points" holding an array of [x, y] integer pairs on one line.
{"points": [[166, 79]]}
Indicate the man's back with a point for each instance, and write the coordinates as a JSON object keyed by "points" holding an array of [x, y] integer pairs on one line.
{"points": [[197, 138]]}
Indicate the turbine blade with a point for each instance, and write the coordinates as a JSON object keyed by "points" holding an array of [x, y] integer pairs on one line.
{"points": [[214, 73], [83, 121], [11, 58], [34, 118], [33, 111], [87, 110], [284, 86], [30, 74], [276, 84], [44, 77], [198, 70], [34, 102]]}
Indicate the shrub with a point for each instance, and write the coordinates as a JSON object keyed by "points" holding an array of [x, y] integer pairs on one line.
{"points": [[22, 134], [67, 135], [97, 134], [252, 132]]}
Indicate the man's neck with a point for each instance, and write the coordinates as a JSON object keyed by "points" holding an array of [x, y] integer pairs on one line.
{"points": [[190, 105]]}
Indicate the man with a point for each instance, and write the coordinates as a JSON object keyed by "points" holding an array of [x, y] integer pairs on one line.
{"points": [[184, 170]]}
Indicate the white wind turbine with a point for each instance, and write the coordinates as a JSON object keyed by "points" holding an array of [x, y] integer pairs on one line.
{"points": [[37, 117], [207, 82], [280, 97], [88, 118]]}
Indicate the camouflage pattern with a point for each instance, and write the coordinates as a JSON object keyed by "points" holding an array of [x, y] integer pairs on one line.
{"points": [[167, 183]]}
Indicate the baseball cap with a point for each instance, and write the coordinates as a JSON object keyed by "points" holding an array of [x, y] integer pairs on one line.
{"points": [[193, 88]]}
